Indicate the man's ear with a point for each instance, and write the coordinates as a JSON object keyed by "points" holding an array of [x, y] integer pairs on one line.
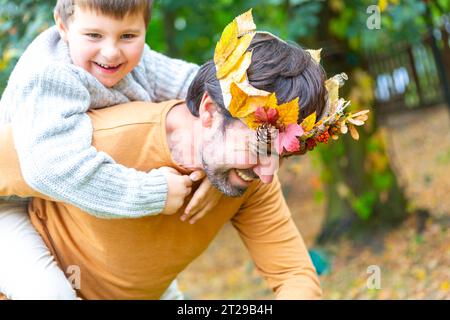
{"points": [[207, 110], [62, 28]]}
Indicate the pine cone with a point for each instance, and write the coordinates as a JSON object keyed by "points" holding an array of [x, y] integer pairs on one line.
{"points": [[265, 135]]}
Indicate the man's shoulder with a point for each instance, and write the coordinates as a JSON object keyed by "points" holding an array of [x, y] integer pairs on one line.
{"points": [[260, 191], [136, 113]]}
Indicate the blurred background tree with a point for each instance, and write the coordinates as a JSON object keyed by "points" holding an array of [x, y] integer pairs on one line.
{"points": [[361, 187]]}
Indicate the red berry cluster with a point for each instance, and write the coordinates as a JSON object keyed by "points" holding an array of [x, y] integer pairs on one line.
{"points": [[333, 131], [310, 144], [323, 137]]}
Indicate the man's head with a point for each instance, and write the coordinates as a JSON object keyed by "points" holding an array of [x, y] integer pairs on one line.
{"points": [[276, 66], [105, 37]]}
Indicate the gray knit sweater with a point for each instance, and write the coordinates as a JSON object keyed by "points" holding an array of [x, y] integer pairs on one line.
{"points": [[46, 100]]}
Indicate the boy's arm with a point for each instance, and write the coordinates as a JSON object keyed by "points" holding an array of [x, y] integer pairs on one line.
{"points": [[11, 179], [169, 78], [53, 136], [265, 225]]}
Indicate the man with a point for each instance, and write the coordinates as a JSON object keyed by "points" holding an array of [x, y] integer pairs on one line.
{"points": [[139, 258]]}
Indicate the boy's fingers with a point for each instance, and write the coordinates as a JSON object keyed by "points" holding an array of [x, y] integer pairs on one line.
{"points": [[187, 181], [197, 175]]}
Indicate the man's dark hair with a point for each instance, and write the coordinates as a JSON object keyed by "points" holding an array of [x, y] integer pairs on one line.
{"points": [[283, 68]]}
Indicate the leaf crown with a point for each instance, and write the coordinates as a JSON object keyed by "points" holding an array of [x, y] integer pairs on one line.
{"points": [[260, 109]]}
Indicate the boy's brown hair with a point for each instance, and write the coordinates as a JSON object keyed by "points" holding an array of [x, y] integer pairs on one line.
{"points": [[114, 8]]}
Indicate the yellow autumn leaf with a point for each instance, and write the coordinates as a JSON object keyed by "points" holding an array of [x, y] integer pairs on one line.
{"points": [[288, 112], [360, 113], [242, 45], [332, 86], [354, 133], [420, 273], [252, 91], [309, 122], [227, 43], [318, 123], [252, 104], [445, 286], [239, 74], [238, 102], [383, 4], [251, 122], [242, 104], [315, 54], [362, 118], [245, 23], [272, 101], [355, 122]]}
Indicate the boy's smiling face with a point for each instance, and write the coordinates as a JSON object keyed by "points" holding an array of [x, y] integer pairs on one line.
{"points": [[106, 47]]}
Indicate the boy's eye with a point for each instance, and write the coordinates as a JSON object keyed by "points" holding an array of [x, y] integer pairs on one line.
{"points": [[128, 36], [94, 35]]}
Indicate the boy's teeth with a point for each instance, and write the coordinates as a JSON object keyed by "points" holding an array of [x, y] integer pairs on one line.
{"points": [[243, 176], [107, 67]]}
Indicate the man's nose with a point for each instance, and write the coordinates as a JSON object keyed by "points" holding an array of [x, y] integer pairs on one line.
{"points": [[267, 167]]}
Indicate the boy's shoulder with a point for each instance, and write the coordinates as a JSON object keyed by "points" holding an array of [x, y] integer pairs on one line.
{"points": [[47, 53], [43, 73]]}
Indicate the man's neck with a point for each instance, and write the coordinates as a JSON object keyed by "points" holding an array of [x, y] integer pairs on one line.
{"points": [[182, 130]]}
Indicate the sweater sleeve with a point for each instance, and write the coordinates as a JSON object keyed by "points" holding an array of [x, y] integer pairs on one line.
{"points": [[265, 225], [53, 135], [169, 78]]}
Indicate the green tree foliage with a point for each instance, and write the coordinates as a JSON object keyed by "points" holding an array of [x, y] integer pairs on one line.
{"points": [[20, 22]]}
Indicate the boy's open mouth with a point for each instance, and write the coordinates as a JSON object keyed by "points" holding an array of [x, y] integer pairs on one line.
{"points": [[108, 67]]}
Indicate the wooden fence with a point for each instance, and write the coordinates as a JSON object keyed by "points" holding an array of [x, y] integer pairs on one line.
{"points": [[412, 76]]}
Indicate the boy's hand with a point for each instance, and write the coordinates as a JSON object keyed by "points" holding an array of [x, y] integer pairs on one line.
{"points": [[203, 200], [180, 186]]}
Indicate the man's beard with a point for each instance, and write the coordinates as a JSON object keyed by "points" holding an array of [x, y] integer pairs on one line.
{"points": [[219, 177]]}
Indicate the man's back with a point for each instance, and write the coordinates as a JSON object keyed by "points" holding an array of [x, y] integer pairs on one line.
{"points": [[138, 258]]}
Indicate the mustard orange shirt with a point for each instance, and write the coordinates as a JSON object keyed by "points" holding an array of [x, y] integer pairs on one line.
{"points": [[138, 258]]}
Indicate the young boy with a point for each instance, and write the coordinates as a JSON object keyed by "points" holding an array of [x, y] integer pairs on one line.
{"points": [[94, 57]]}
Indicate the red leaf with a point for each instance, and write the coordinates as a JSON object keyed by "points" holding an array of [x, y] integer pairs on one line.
{"points": [[288, 138], [272, 116]]}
